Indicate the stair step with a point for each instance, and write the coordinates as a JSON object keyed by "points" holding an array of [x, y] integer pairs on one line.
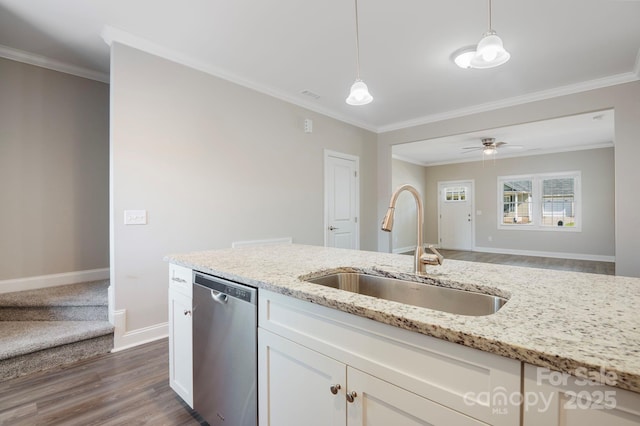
{"points": [[30, 346], [55, 357], [73, 302], [93, 293], [22, 337], [55, 313], [45, 328]]}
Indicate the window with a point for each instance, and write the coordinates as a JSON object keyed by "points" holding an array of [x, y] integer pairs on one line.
{"points": [[517, 200], [540, 202], [457, 193]]}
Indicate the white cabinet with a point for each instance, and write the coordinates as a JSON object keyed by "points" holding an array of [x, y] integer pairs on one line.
{"points": [[556, 399], [290, 373], [399, 377], [180, 333], [379, 403], [303, 387]]}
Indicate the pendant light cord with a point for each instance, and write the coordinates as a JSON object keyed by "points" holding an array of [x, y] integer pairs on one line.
{"points": [[357, 44], [490, 29]]}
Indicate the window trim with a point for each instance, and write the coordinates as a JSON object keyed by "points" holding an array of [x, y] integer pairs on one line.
{"points": [[537, 203]]}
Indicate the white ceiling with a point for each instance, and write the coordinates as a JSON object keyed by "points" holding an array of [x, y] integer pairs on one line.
{"points": [[284, 47], [576, 132]]}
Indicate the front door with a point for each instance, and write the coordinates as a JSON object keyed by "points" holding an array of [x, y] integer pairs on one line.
{"points": [[341, 186], [455, 219]]}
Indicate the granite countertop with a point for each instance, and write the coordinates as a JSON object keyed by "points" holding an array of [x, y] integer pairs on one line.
{"points": [[555, 319]]}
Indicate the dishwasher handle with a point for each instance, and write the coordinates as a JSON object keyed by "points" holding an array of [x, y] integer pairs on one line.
{"points": [[219, 297]]}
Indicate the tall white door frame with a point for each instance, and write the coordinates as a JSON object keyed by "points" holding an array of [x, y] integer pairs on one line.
{"points": [[341, 207], [464, 222]]}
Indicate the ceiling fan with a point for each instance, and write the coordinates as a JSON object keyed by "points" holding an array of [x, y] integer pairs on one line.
{"points": [[489, 146]]}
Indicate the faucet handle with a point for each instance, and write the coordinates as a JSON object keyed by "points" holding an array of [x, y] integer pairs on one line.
{"points": [[432, 259]]}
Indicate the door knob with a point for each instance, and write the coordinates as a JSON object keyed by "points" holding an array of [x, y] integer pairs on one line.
{"points": [[187, 312], [332, 228], [335, 388], [351, 396]]}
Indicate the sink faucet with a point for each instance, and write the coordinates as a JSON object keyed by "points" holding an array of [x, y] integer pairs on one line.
{"points": [[421, 259]]}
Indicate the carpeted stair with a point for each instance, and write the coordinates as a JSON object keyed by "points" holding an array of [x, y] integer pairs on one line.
{"points": [[45, 328]]}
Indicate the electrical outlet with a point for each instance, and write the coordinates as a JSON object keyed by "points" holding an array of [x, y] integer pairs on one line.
{"points": [[135, 217]]}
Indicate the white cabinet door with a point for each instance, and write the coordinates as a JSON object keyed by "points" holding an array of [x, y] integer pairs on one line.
{"points": [[380, 403], [555, 399], [295, 385], [180, 345], [463, 379]]}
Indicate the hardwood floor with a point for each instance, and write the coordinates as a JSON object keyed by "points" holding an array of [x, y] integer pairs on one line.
{"points": [[130, 387], [605, 268]]}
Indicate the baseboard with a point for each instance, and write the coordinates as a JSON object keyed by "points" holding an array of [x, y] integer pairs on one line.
{"points": [[123, 339], [408, 249], [53, 280], [558, 255], [412, 249]]}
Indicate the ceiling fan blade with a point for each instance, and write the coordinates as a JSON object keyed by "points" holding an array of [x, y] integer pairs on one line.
{"points": [[497, 144], [473, 147]]}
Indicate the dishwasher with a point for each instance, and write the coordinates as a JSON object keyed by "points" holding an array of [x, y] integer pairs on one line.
{"points": [[225, 351]]}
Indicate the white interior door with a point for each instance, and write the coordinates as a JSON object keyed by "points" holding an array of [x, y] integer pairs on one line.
{"points": [[455, 219], [341, 186]]}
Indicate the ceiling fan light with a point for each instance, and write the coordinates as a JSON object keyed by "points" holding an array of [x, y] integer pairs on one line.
{"points": [[359, 94], [489, 150], [490, 52]]}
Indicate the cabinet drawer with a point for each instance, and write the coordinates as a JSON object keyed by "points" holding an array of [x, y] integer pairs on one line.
{"points": [[180, 279], [456, 376]]}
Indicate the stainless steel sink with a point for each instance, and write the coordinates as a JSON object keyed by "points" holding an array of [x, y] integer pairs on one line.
{"points": [[461, 302]]}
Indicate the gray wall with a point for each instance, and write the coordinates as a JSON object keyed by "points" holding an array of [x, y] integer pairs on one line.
{"points": [[624, 98], [212, 163], [403, 234], [54, 172], [597, 181]]}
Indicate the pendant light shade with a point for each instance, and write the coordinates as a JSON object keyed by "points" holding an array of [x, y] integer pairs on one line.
{"points": [[359, 93], [490, 52]]}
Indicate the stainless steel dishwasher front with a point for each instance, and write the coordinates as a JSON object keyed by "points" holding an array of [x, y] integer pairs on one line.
{"points": [[225, 359]]}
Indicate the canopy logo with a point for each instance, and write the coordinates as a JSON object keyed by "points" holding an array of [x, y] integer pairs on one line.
{"points": [[594, 396]]}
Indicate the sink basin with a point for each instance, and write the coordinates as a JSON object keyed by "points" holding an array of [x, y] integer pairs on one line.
{"points": [[461, 302]]}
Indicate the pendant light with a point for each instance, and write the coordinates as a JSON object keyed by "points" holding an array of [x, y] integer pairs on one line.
{"points": [[490, 51], [359, 93]]}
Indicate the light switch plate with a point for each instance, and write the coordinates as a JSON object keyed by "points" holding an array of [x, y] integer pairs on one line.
{"points": [[135, 217]]}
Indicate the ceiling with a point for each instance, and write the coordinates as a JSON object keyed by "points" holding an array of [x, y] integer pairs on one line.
{"points": [[577, 132], [286, 47]]}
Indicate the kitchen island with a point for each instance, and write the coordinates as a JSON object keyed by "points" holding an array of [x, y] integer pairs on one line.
{"points": [[575, 323]]}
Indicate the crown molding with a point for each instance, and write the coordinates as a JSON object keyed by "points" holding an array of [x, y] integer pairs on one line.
{"points": [[519, 100], [115, 35], [52, 64], [112, 34]]}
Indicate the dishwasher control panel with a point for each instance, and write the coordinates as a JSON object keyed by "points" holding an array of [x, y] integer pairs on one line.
{"points": [[231, 289]]}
